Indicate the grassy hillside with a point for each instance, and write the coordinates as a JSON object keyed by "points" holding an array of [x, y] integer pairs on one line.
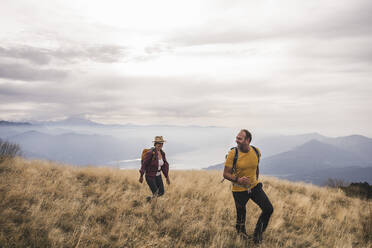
{"points": [[48, 205]]}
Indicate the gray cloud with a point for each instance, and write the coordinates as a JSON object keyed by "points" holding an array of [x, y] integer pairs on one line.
{"points": [[178, 94], [35, 55], [27, 73], [185, 98], [102, 54], [158, 48], [181, 100], [288, 64], [338, 51], [314, 20], [43, 56]]}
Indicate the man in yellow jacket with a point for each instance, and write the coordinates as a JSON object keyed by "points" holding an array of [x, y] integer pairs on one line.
{"points": [[244, 176]]}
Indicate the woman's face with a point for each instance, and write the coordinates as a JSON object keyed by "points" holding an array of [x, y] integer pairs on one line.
{"points": [[158, 146]]}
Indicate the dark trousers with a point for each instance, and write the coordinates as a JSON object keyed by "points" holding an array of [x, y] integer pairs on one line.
{"points": [[156, 185], [259, 197]]}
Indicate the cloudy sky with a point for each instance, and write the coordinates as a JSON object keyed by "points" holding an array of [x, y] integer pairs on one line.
{"points": [[282, 66]]}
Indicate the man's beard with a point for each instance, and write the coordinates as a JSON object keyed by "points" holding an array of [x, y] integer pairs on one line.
{"points": [[243, 147]]}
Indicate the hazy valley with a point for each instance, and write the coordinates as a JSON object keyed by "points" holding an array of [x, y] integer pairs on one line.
{"points": [[307, 157]]}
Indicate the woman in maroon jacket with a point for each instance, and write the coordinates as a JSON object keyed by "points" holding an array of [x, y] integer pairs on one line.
{"points": [[153, 163]]}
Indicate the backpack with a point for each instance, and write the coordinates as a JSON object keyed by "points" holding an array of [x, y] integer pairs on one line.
{"points": [[236, 159], [144, 151]]}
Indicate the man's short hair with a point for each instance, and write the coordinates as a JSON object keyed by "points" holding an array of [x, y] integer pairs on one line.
{"points": [[248, 135]]}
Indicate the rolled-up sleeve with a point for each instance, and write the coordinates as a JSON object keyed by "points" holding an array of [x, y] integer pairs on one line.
{"points": [[230, 159]]}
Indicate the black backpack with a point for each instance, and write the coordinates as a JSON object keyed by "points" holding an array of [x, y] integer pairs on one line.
{"points": [[236, 159]]}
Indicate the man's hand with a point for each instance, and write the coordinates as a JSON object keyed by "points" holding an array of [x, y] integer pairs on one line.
{"points": [[167, 179], [243, 181], [140, 179]]}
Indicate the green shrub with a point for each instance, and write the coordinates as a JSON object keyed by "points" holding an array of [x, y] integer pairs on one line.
{"points": [[361, 190]]}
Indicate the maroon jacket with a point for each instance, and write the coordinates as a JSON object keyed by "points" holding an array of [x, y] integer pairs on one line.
{"points": [[150, 164]]}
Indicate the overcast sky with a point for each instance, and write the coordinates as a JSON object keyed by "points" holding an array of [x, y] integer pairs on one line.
{"points": [[284, 66]]}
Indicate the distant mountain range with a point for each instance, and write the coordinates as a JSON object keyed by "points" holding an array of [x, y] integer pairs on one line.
{"points": [[12, 123], [79, 149], [357, 144], [83, 149], [282, 143], [320, 177], [347, 158], [312, 156], [83, 121], [80, 141], [69, 121]]}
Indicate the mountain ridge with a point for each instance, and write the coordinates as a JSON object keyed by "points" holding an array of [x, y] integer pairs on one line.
{"points": [[12, 123], [309, 159]]}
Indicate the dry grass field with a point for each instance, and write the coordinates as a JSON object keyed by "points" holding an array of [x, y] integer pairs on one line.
{"points": [[44, 204]]}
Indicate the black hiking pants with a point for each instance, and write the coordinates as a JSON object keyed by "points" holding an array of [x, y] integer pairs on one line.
{"points": [[156, 185], [259, 197]]}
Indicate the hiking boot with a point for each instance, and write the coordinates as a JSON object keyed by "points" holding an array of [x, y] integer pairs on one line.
{"points": [[257, 240], [257, 235], [240, 229]]}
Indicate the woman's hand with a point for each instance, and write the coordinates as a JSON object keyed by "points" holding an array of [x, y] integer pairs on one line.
{"points": [[167, 179], [140, 179]]}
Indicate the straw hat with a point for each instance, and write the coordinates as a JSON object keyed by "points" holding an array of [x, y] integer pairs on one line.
{"points": [[159, 139]]}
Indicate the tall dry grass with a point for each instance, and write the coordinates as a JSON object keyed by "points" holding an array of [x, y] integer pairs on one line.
{"points": [[43, 204], [8, 150]]}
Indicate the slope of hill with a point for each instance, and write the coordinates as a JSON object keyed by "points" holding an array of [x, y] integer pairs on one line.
{"points": [[46, 205]]}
